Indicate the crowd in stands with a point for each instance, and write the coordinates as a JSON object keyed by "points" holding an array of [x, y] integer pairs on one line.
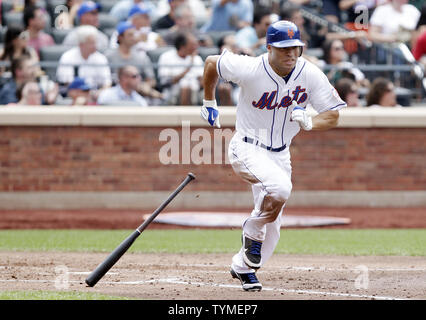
{"points": [[152, 52]]}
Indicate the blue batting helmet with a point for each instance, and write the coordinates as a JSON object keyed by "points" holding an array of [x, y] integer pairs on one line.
{"points": [[283, 34]]}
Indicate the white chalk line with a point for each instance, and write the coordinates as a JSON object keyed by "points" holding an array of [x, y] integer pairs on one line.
{"points": [[336, 294], [229, 286], [304, 268]]}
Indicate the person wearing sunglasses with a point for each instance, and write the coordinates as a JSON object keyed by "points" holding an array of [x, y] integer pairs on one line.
{"points": [[124, 92]]}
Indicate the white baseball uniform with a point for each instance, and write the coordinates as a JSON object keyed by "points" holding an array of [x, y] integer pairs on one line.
{"points": [[259, 150]]}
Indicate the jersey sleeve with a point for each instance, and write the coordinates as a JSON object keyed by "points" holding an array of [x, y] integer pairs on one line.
{"points": [[323, 96], [234, 67]]}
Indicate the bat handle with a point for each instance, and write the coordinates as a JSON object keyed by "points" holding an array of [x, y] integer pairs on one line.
{"points": [[187, 180]]}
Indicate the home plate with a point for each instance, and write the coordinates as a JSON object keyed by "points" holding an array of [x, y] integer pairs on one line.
{"points": [[224, 219]]}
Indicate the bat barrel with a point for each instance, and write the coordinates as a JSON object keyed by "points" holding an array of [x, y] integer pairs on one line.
{"points": [[107, 264]]}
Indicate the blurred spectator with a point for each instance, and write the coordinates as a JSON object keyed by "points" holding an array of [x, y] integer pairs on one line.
{"points": [[79, 92], [65, 20], [84, 61], [393, 22], [331, 11], [419, 50], [122, 8], [348, 91], [185, 22], [146, 39], [29, 94], [15, 46], [197, 6], [229, 15], [129, 81], [167, 21], [88, 15], [126, 54], [35, 22], [253, 38], [335, 55], [382, 94], [180, 71], [421, 26], [23, 70]]}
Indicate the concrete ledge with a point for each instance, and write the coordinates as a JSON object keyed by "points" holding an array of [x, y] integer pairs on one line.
{"points": [[204, 200], [411, 117]]}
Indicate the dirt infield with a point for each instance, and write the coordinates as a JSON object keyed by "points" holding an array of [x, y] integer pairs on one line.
{"points": [[130, 219], [201, 276], [206, 276]]}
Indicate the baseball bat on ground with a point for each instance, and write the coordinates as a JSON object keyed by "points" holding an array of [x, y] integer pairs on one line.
{"points": [[107, 264]]}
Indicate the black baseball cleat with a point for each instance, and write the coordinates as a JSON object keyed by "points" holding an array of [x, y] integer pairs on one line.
{"points": [[251, 255], [248, 280]]}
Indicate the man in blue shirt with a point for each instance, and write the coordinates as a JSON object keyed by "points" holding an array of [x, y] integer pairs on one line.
{"points": [[229, 15], [125, 91]]}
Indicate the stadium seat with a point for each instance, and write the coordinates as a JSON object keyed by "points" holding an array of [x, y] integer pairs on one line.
{"points": [[106, 21], [204, 52], [155, 54], [3, 31], [52, 54], [217, 35], [13, 19], [59, 35], [106, 5], [109, 31]]}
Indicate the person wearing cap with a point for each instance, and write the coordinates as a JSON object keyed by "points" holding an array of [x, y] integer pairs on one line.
{"points": [[125, 91], [139, 16], [84, 61], [122, 8], [126, 54], [88, 14], [79, 92]]}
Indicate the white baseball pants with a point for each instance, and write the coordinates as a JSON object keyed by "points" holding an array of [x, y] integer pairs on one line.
{"points": [[269, 174]]}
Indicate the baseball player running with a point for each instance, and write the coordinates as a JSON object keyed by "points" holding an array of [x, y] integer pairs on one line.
{"points": [[276, 87]]}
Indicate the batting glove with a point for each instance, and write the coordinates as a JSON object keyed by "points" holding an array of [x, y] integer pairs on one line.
{"points": [[210, 113], [300, 115]]}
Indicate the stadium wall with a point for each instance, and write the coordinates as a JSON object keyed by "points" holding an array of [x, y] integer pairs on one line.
{"points": [[129, 157]]}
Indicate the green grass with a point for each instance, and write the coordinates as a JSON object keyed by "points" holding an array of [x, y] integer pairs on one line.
{"points": [[405, 242], [54, 295]]}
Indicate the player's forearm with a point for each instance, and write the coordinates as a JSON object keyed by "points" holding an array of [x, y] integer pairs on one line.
{"points": [[326, 120], [210, 77]]}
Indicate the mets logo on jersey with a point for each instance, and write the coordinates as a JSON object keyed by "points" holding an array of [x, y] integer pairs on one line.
{"points": [[267, 99]]}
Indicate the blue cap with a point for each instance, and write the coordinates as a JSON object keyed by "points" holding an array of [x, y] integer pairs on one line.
{"points": [[283, 34], [79, 83], [86, 7], [123, 26], [138, 9]]}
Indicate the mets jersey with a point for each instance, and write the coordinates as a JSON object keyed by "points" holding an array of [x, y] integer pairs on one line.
{"points": [[265, 97]]}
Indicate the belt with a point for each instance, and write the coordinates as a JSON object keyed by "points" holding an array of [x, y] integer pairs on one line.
{"points": [[257, 143]]}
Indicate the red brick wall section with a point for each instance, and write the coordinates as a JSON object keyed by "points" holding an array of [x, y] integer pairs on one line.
{"points": [[127, 159]]}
